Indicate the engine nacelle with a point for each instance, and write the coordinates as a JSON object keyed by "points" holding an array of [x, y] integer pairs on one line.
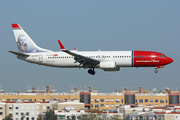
{"points": [[108, 66]]}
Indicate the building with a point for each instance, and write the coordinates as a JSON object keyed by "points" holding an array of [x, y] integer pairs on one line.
{"points": [[95, 100]]}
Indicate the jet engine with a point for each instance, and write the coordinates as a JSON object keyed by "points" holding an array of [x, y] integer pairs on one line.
{"points": [[108, 66]]}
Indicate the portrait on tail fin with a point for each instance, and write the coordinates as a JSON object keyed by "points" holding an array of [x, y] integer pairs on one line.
{"points": [[22, 45]]}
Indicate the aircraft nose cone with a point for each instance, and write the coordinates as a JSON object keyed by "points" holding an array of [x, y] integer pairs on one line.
{"points": [[169, 60]]}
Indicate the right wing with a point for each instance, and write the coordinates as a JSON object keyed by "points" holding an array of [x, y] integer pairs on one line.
{"points": [[83, 60]]}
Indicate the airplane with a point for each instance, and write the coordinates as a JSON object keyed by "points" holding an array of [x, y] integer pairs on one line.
{"points": [[105, 60]]}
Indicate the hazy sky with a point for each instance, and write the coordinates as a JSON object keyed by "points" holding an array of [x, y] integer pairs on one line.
{"points": [[91, 25]]}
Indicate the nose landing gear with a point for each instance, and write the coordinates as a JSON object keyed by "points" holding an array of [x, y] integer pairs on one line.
{"points": [[156, 71], [91, 71]]}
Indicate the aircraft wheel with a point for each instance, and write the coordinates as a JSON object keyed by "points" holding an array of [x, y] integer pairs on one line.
{"points": [[93, 73], [156, 71], [90, 71]]}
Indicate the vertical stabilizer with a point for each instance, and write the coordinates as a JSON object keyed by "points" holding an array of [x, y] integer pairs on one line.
{"points": [[24, 43]]}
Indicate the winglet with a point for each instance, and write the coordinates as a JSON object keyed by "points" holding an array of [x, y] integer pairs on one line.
{"points": [[61, 45], [75, 49]]}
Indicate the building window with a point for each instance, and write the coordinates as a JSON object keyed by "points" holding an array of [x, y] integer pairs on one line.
{"points": [[102, 100], [107, 105], [112, 100], [48, 107], [91, 100], [32, 118], [96, 105], [117, 106], [146, 100], [1, 107], [117, 101], [16, 107], [107, 100], [16, 118], [91, 105], [96, 100], [1, 113], [27, 113], [17, 113], [22, 114], [27, 118], [162, 101], [151, 100], [102, 105], [10, 107], [122, 100], [156, 100], [166, 101], [140, 100], [112, 105]]}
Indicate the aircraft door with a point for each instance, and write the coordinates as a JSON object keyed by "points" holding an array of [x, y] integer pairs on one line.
{"points": [[41, 58], [153, 56]]}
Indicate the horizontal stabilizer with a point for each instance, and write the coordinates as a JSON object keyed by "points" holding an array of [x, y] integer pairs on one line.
{"points": [[18, 54]]}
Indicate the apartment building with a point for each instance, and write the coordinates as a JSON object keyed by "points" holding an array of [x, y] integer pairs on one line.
{"points": [[95, 100]]}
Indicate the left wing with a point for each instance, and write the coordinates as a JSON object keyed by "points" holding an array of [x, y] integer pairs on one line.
{"points": [[83, 60]]}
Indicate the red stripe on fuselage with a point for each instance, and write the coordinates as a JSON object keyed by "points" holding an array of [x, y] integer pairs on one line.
{"points": [[148, 59]]}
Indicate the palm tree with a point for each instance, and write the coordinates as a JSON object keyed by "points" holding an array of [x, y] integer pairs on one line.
{"points": [[9, 117], [50, 115]]}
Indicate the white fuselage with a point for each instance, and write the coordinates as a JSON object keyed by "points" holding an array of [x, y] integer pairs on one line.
{"points": [[64, 60]]}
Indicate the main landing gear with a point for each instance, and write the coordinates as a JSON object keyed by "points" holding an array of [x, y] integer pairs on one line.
{"points": [[91, 71], [156, 71]]}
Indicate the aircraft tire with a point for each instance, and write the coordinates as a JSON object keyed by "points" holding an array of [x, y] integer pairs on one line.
{"points": [[156, 71]]}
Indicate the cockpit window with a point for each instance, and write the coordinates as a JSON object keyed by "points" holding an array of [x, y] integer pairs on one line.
{"points": [[162, 55]]}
